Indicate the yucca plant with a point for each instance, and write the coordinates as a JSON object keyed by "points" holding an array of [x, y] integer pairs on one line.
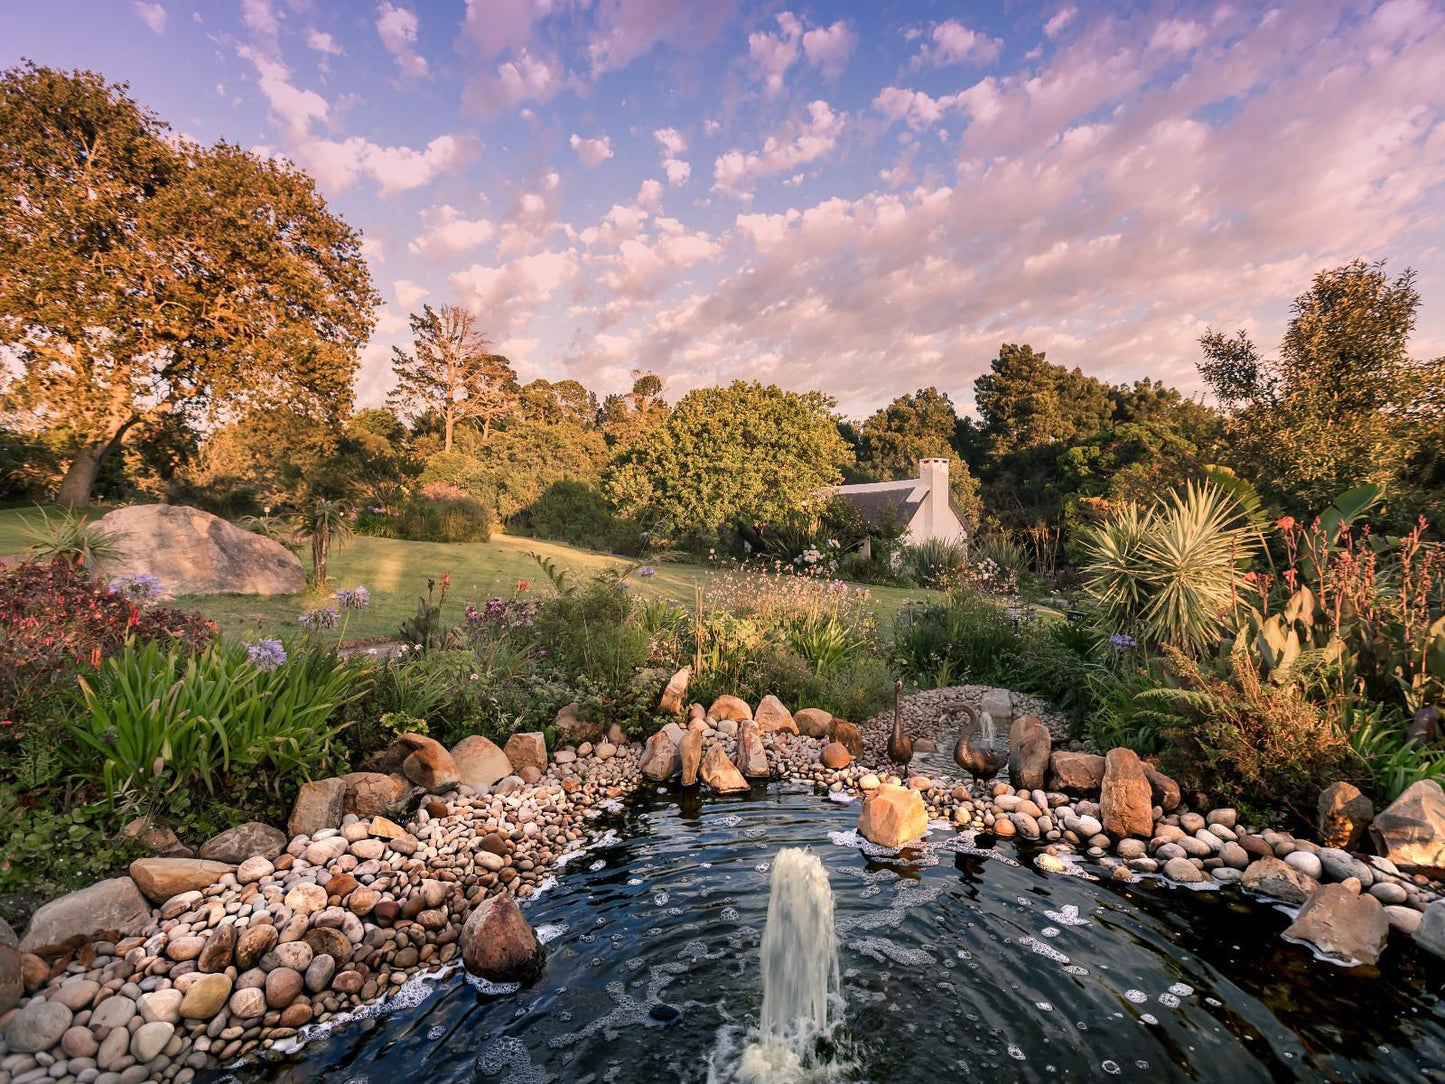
{"points": [[67, 535], [1168, 575]]}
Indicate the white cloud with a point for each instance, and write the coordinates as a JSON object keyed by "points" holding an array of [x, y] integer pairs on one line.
{"points": [[794, 145], [677, 170], [1055, 26], [774, 54], [671, 141], [1177, 35], [397, 27], [828, 49], [395, 169], [295, 107], [954, 43], [321, 42], [261, 19], [408, 293], [592, 152], [450, 233], [153, 15]]}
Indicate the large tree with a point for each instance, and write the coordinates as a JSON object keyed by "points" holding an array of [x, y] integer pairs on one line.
{"points": [[745, 454], [143, 276], [626, 419], [1343, 403], [1025, 401], [918, 425], [451, 371]]}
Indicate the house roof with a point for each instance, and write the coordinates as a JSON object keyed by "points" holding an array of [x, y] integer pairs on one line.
{"points": [[877, 501]]}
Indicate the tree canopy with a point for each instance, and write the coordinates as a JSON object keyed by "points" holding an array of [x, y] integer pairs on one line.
{"points": [[746, 453], [144, 276], [451, 372], [917, 425]]}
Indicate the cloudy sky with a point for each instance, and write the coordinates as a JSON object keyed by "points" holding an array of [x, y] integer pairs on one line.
{"points": [[865, 198]]}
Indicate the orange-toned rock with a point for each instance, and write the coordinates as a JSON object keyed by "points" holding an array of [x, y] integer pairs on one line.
{"points": [[1126, 801], [730, 707], [772, 715], [498, 944], [848, 734], [691, 757], [813, 722], [720, 773], [674, 697], [429, 765], [891, 816], [480, 762], [835, 755], [524, 750]]}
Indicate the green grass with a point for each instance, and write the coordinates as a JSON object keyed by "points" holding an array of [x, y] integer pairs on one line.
{"points": [[396, 573], [15, 526]]}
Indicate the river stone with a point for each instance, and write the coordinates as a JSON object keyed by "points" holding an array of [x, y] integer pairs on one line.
{"points": [[216, 956], [38, 1026], [1344, 815], [527, 750], [255, 941], [1076, 773], [730, 707], [1430, 934], [660, 759], [498, 944], [115, 904], [244, 841], [892, 815], [78, 1042], [254, 869], [193, 552], [204, 997], [297, 955], [719, 772], [428, 763], [325, 941], [1410, 831], [813, 722], [306, 897], [1404, 919], [752, 755], [1183, 871], [283, 986], [1340, 922], [1029, 746], [1341, 865], [319, 805], [320, 972], [1126, 802], [370, 793], [1307, 863], [674, 697], [150, 1039], [480, 761], [835, 755], [691, 757], [1280, 880], [840, 730], [160, 1005], [248, 1003], [772, 715]]}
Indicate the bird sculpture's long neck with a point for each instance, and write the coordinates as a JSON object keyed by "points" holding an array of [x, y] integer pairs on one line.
{"points": [[897, 716]]}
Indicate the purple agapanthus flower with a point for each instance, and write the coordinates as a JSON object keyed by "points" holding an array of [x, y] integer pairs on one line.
{"points": [[139, 588], [315, 620], [623, 585], [1121, 642], [647, 572], [267, 654], [358, 599]]}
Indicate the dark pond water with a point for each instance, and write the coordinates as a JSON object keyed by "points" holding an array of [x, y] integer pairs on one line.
{"points": [[955, 966]]}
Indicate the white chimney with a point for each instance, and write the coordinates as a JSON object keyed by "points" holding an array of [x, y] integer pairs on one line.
{"points": [[933, 473]]}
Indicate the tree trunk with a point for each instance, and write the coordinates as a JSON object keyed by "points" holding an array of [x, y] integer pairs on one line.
{"points": [[80, 476], [450, 421]]}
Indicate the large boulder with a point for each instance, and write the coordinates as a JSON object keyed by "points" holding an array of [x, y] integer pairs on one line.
{"points": [[12, 974], [1344, 815], [848, 734], [720, 773], [660, 759], [429, 764], [813, 722], [480, 762], [730, 707], [570, 721], [1341, 922], [1410, 832], [497, 943], [527, 750], [1029, 746], [1076, 773], [116, 904], [162, 878], [1126, 801], [891, 816], [674, 697], [835, 755], [772, 715], [1278, 880], [244, 841], [319, 805], [752, 756], [371, 793], [195, 553]]}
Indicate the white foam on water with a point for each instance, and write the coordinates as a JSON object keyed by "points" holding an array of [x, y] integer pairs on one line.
{"points": [[550, 931], [508, 1053], [842, 797], [881, 949], [1068, 915], [1046, 951], [1050, 931], [408, 995], [1135, 997], [1181, 989]]}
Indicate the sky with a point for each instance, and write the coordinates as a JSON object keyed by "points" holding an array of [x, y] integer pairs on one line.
{"points": [[864, 198]]}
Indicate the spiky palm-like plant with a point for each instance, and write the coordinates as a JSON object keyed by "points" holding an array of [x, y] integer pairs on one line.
{"points": [[1168, 574], [326, 521]]}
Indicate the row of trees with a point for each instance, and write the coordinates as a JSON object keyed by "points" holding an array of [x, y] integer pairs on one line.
{"points": [[186, 321]]}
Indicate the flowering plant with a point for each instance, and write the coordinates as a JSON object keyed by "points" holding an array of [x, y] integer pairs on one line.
{"points": [[140, 588]]}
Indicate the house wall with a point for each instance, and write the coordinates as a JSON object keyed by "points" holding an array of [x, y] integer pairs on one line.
{"points": [[935, 518]]}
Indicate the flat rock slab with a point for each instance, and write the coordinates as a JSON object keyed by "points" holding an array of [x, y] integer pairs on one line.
{"points": [[162, 878], [116, 904]]}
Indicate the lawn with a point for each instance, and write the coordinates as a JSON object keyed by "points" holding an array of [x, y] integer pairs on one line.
{"points": [[396, 572]]}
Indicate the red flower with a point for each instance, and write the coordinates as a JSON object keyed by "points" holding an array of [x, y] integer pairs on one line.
{"points": [[1285, 523]]}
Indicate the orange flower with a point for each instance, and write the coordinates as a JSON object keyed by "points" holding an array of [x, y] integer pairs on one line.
{"points": [[524, 585], [1285, 523]]}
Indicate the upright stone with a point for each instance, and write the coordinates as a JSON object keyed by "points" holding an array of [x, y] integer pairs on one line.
{"points": [[691, 757], [527, 750], [674, 697], [1078, 774], [1126, 802], [498, 944], [848, 734], [772, 715], [1344, 815], [319, 805], [1029, 746], [660, 760], [1410, 832], [999, 704], [429, 765], [752, 757]]}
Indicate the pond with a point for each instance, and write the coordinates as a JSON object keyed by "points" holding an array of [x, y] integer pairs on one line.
{"points": [[956, 962]]}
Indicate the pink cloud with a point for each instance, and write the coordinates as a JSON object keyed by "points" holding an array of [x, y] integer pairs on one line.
{"points": [[397, 27], [592, 152], [954, 43], [797, 143]]}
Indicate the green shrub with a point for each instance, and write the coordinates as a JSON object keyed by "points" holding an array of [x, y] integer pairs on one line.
{"points": [[44, 854], [376, 525], [965, 639], [1053, 661], [577, 513], [936, 562], [158, 721], [449, 519], [67, 535]]}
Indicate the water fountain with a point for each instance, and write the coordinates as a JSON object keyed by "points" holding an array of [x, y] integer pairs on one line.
{"points": [[800, 977]]}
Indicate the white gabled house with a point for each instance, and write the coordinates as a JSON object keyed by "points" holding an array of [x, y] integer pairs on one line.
{"points": [[924, 504]]}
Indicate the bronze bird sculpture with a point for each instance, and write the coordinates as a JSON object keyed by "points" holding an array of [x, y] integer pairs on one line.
{"points": [[900, 746], [977, 760]]}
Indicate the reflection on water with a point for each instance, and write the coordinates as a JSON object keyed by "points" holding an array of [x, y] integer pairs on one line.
{"points": [[956, 961]]}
